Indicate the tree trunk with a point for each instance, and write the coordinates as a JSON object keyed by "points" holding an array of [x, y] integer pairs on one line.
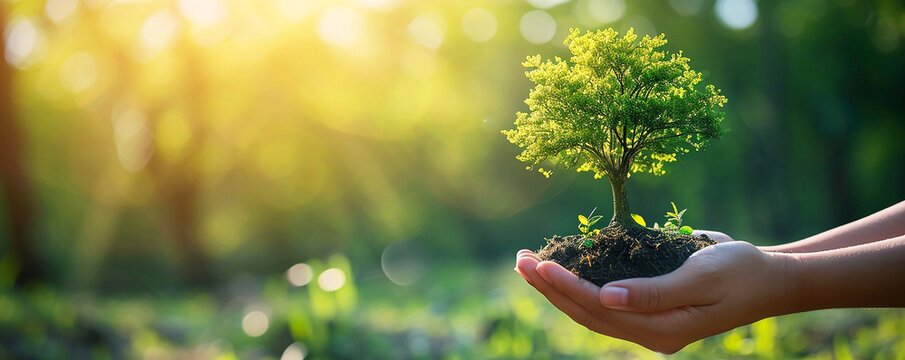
{"points": [[14, 184], [621, 213]]}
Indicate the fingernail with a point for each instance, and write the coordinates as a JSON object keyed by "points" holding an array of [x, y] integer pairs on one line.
{"points": [[542, 270], [615, 296]]}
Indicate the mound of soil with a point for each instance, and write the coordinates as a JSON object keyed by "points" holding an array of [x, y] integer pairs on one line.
{"points": [[621, 253]]}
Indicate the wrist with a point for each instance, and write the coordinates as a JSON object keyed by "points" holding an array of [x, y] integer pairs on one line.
{"points": [[786, 280]]}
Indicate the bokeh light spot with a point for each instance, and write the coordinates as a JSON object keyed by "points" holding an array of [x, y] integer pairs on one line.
{"points": [[203, 13], [22, 39], [546, 4], [642, 25], [402, 263], [78, 72], [736, 14], [255, 323], [687, 7], [295, 351], [537, 26], [134, 145], [157, 32], [59, 10], [299, 274], [606, 11], [427, 30], [379, 5], [331, 279], [479, 25], [341, 25]]}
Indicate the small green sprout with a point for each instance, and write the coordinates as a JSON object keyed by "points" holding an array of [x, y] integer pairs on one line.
{"points": [[639, 219], [674, 222], [584, 225]]}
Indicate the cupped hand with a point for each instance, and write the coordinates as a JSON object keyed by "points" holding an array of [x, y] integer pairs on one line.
{"points": [[718, 288]]}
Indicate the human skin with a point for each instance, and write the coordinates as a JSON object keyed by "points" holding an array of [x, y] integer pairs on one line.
{"points": [[734, 283]]}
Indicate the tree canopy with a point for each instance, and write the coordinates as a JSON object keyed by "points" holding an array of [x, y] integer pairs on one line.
{"points": [[616, 106]]}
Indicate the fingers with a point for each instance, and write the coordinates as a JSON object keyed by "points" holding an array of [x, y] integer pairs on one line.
{"points": [[579, 290], [682, 287], [714, 235], [527, 264]]}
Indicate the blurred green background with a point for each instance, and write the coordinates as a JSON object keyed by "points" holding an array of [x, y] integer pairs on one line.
{"points": [[289, 179]]}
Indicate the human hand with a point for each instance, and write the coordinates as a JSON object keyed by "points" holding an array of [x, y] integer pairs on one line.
{"points": [[718, 288]]}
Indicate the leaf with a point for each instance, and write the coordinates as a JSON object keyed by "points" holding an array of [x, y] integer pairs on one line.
{"points": [[685, 230], [674, 209], [583, 229], [681, 213], [583, 220], [588, 243], [594, 220], [656, 226], [639, 219]]}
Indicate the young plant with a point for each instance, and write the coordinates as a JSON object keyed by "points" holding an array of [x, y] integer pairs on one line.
{"points": [[617, 106], [584, 225], [674, 222]]}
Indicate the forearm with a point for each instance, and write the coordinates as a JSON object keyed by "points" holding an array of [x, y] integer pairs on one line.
{"points": [[867, 275], [882, 225]]}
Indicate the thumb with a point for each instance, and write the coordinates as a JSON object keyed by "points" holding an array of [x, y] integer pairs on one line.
{"points": [[678, 288]]}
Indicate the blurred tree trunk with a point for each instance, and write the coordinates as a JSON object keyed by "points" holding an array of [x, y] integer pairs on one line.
{"points": [[182, 176], [16, 189]]}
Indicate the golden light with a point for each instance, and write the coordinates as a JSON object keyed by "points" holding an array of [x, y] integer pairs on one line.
{"points": [[133, 136], [427, 30], [59, 10], [300, 274], [157, 32], [78, 72], [255, 323], [341, 25], [22, 39], [479, 25], [331, 279], [537, 26], [204, 13]]}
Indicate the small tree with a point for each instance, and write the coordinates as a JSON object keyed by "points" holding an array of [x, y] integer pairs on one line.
{"points": [[616, 107]]}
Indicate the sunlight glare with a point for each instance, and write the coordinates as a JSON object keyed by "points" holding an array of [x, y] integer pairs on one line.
{"points": [[59, 10], [22, 40], [299, 274], [341, 25], [295, 9], [203, 13], [255, 323], [78, 72], [427, 30], [331, 279], [379, 5], [537, 26], [418, 63], [736, 14], [479, 25], [133, 137], [157, 32]]}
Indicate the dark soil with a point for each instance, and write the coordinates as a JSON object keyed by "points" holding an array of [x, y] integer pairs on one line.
{"points": [[622, 253]]}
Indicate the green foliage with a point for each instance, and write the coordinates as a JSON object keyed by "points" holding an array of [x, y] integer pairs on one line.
{"points": [[584, 225], [616, 106], [674, 222]]}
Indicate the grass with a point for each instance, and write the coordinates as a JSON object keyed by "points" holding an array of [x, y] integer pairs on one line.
{"points": [[457, 311]]}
